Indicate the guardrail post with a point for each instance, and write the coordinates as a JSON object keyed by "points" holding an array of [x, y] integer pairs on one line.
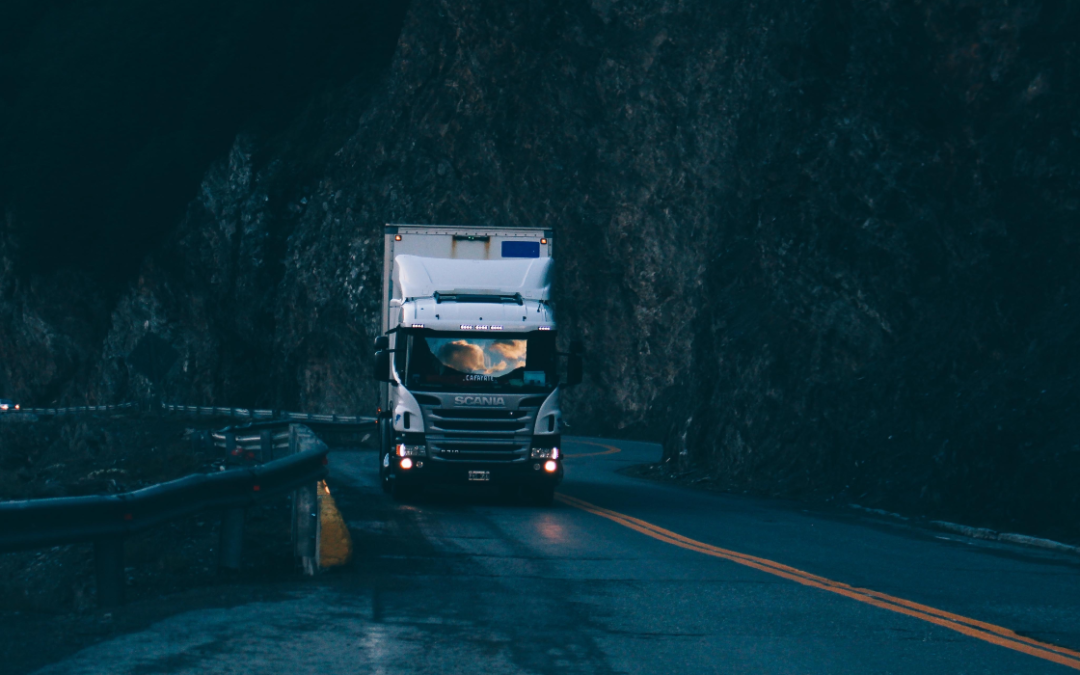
{"points": [[109, 568], [305, 526], [266, 440], [231, 543], [306, 511]]}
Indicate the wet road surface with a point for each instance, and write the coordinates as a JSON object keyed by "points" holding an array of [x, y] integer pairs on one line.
{"points": [[625, 575]]}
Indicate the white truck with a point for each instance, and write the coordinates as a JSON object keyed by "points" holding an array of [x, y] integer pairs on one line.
{"points": [[467, 361]]}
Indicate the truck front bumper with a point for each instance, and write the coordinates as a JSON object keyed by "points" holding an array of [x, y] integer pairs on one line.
{"points": [[427, 471]]}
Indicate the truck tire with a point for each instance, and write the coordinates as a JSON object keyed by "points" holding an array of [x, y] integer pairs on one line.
{"points": [[384, 474], [386, 441]]}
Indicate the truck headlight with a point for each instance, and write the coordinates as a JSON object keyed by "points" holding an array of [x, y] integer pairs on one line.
{"points": [[545, 453], [404, 450]]}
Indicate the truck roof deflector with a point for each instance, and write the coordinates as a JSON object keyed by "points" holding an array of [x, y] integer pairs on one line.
{"points": [[478, 297]]}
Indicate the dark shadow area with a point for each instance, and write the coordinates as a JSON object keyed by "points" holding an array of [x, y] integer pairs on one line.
{"points": [[111, 110], [466, 496]]}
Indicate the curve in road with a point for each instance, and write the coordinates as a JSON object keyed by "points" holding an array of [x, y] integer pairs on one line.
{"points": [[467, 583], [981, 630]]}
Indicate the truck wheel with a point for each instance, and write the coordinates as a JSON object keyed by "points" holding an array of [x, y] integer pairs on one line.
{"points": [[385, 441], [384, 472]]}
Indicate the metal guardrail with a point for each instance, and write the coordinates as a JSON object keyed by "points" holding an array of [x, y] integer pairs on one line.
{"points": [[267, 414], [252, 443], [245, 445], [74, 410], [219, 411], [205, 411], [106, 520], [264, 442]]}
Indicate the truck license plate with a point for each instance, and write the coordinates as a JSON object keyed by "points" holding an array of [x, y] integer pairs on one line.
{"points": [[479, 475]]}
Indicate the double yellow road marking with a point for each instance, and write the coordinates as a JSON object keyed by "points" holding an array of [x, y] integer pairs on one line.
{"points": [[981, 630], [610, 449]]}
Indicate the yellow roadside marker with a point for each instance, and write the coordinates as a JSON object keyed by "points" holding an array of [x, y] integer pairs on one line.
{"points": [[988, 632], [335, 543]]}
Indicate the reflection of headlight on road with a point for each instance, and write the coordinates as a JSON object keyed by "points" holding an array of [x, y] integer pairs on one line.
{"points": [[545, 453], [411, 450]]}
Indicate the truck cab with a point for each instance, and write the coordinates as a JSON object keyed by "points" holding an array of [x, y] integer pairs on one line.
{"points": [[468, 362]]}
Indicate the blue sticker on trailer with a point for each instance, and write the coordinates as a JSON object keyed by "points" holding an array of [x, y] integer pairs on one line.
{"points": [[521, 249]]}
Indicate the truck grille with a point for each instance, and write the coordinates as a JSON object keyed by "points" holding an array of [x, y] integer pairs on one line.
{"points": [[478, 414], [468, 451], [478, 435], [478, 421]]}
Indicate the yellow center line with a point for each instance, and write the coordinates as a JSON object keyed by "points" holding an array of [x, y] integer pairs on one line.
{"points": [[981, 630], [611, 449]]}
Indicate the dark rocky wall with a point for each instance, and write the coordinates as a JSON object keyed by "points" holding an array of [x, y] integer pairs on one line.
{"points": [[51, 329], [823, 249], [890, 301]]}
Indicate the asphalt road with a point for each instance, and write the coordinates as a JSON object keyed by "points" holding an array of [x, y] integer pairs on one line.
{"points": [[625, 575]]}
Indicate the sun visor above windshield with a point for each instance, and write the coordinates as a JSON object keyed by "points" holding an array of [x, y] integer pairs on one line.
{"points": [[419, 277]]}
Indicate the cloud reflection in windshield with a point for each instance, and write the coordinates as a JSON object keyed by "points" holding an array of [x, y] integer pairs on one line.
{"points": [[481, 357]]}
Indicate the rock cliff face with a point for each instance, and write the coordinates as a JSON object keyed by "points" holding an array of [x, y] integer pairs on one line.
{"points": [[50, 329], [823, 249]]}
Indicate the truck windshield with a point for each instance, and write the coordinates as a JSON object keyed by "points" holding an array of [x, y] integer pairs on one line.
{"points": [[435, 361]]}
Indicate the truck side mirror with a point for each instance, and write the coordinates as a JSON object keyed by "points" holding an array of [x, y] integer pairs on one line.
{"points": [[382, 365], [573, 370], [382, 343]]}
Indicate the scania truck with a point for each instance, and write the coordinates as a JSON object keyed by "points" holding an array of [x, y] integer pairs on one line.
{"points": [[469, 371]]}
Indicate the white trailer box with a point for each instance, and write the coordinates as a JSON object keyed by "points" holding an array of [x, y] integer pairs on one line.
{"points": [[458, 242]]}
